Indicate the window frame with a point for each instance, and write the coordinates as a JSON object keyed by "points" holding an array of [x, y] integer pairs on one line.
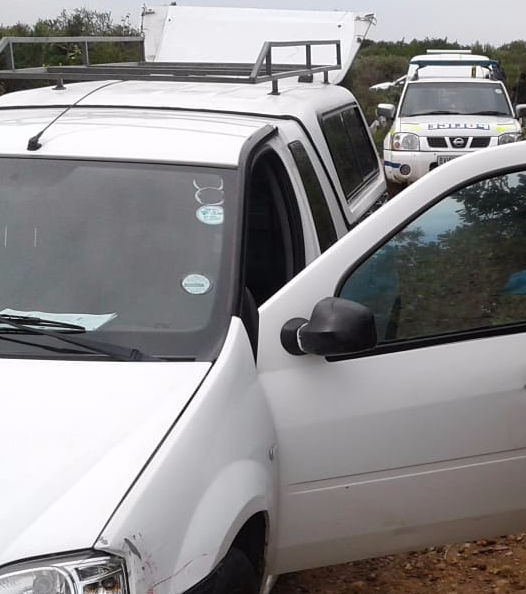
{"points": [[319, 208], [287, 212]]}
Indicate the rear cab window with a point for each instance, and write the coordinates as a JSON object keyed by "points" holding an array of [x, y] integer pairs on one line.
{"points": [[351, 149]]}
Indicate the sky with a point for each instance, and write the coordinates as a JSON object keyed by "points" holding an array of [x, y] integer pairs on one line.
{"points": [[465, 21]]}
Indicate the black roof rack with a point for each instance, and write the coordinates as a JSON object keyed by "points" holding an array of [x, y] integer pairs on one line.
{"points": [[263, 70]]}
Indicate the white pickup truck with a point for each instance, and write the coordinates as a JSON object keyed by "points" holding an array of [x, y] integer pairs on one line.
{"points": [[194, 398], [452, 103]]}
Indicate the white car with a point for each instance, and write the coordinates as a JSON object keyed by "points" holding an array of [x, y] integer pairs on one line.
{"points": [[194, 398], [451, 105]]}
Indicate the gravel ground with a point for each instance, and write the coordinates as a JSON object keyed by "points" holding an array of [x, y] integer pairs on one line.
{"points": [[482, 567]]}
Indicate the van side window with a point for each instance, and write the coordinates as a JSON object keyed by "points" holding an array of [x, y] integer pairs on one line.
{"points": [[317, 201], [274, 245], [351, 148]]}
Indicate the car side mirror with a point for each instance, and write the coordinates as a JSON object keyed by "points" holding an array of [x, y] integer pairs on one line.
{"points": [[385, 110], [520, 110], [336, 327]]}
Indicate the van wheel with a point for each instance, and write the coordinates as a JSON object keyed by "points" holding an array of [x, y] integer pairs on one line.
{"points": [[235, 575]]}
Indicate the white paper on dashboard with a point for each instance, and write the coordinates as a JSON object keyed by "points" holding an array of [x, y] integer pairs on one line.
{"points": [[88, 321]]}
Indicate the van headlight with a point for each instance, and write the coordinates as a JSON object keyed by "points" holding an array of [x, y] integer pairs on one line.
{"points": [[405, 141], [87, 574], [509, 137]]}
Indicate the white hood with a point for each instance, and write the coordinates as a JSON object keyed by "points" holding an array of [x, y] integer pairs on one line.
{"points": [[458, 125], [73, 437]]}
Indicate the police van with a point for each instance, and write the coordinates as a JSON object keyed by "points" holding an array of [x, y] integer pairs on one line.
{"points": [[211, 375], [452, 103]]}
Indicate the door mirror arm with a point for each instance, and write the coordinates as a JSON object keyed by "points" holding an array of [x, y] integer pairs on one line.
{"points": [[336, 327]]}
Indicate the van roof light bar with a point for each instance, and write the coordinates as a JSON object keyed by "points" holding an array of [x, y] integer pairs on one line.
{"points": [[421, 62], [448, 51]]}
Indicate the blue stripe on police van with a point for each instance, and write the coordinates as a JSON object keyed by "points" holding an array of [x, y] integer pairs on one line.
{"points": [[393, 165]]}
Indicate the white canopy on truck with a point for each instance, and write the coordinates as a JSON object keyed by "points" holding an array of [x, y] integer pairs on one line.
{"points": [[236, 35]]}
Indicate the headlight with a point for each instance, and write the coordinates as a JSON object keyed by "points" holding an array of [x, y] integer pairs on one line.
{"points": [[66, 575], [405, 141], [509, 137]]}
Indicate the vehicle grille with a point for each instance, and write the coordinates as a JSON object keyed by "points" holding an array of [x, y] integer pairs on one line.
{"points": [[436, 142], [448, 142], [480, 141]]}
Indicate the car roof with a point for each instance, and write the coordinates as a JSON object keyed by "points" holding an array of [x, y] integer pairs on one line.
{"points": [[185, 122], [255, 99], [128, 134]]}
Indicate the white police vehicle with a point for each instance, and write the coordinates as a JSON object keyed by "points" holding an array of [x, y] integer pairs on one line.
{"points": [[452, 103], [160, 431]]}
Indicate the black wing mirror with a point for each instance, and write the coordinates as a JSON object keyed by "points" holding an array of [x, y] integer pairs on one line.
{"points": [[336, 327]]}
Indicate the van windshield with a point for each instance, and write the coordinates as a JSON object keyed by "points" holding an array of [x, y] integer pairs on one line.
{"points": [[133, 252], [454, 98]]}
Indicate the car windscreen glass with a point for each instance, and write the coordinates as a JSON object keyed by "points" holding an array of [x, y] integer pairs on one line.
{"points": [[133, 252], [454, 98]]}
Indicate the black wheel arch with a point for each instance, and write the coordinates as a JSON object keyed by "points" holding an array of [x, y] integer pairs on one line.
{"points": [[249, 545]]}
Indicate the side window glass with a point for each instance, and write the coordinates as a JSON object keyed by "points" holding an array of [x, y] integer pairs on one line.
{"points": [[317, 201], [460, 266], [342, 153], [363, 149], [350, 147]]}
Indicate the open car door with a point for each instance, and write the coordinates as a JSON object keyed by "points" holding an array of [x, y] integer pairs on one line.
{"points": [[401, 421]]}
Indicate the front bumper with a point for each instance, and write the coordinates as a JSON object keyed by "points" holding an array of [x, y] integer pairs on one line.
{"points": [[405, 167]]}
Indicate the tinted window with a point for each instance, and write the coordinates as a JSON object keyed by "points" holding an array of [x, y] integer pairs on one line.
{"points": [[141, 247], [351, 149], [459, 267], [317, 201], [363, 149]]}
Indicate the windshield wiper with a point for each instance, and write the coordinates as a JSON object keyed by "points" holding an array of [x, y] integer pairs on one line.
{"points": [[490, 113], [437, 112], [32, 325], [16, 321]]}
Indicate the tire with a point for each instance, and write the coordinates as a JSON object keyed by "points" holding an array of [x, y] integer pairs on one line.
{"points": [[235, 575]]}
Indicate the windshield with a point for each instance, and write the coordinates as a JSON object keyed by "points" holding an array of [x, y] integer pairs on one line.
{"points": [[133, 252], [462, 98]]}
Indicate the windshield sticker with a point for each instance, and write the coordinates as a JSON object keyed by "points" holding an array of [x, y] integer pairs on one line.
{"points": [[458, 126], [88, 321], [209, 192], [498, 91], [210, 214], [196, 284]]}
